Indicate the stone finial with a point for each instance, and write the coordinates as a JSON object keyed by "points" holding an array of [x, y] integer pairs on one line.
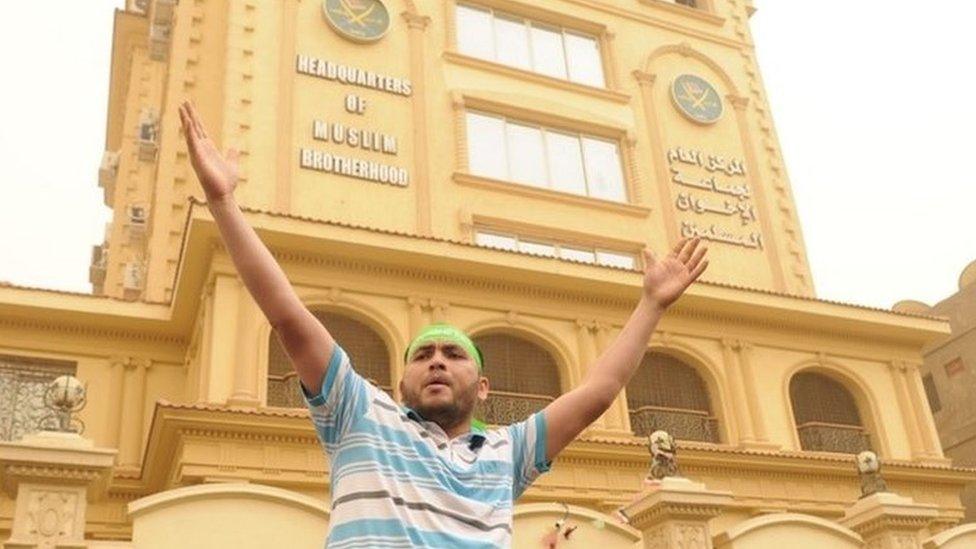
{"points": [[869, 469], [664, 461]]}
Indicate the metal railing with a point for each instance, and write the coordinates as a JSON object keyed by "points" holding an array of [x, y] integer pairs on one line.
{"points": [[680, 423]]}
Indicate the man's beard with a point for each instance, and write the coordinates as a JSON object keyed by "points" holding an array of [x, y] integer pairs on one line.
{"points": [[445, 414]]}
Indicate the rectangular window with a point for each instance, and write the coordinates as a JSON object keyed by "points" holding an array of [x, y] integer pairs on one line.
{"points": [[931, 393], [494, 239], [954, 367], [542, 157], [518, 42]]}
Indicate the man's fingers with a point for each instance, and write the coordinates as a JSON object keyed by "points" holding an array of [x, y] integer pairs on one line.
{"points": [[699, 270], [684, 254], [696, 257], [195, 120]]}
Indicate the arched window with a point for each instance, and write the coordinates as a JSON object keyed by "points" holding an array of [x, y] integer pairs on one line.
{"points": [[524, 378], [826, 415], [366, 349], [667, 394]]}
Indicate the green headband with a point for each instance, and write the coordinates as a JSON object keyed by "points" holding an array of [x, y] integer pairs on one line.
{"points": [[445, 332]]}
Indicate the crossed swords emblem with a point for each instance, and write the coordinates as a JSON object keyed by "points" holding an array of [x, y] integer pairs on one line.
{"points": [[354, 17]]}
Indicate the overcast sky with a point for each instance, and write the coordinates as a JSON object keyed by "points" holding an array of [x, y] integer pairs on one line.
{"points": [[873, 102]]}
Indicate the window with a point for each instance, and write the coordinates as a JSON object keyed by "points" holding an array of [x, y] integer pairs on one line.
{"points": [[530, 45], [524, 378], [493, 239], [536, 156], [667, 394], [954, 367], [366, 349], [23, 382], [931, 393], [827, 418]]}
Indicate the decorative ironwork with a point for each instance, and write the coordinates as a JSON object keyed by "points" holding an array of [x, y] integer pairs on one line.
{"points": [[367, 351], [503, 408], [833, 437], [682, 424], [285, 391], [23, 383]]}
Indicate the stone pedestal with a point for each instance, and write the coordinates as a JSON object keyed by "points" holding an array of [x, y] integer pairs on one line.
{"points": [[888, 521], [674, 513], [53, 476]]}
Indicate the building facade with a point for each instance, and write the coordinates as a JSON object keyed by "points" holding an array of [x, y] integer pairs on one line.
{"points": [[948, 377], [498, 164]]}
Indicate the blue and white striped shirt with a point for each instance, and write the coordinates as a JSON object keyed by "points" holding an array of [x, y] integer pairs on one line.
{"points": [[399, 481]]}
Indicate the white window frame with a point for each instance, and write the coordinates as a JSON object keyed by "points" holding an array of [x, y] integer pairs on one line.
{"points": [[527, 24], [545, 148], [557, 246]]}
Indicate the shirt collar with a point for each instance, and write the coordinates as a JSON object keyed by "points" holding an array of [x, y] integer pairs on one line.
{"points": [[477, 435]]}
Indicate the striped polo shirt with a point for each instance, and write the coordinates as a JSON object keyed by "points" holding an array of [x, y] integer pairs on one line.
{"points": [[400, 481]]}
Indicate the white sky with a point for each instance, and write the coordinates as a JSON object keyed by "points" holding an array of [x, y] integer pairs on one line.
{"points": [[873, 102]]}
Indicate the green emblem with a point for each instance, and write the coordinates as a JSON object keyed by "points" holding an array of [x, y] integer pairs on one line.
{"points": [[696, 99], [357, 20]]}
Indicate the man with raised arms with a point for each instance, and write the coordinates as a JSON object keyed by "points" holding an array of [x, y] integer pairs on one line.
{"points": [[424, 473]]}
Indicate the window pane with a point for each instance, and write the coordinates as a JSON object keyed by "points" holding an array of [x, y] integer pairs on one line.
{"points": [[537, 248], [603, 171], [526, 157], [512, 42], [547, 51], [577, 254], [493, 240], [565, 163], [615, 260], [474, 32], [585, 64], [486, 146]]}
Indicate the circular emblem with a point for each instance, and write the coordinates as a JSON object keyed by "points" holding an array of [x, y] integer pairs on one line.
{"points": [[357, 20], [696, 99]]}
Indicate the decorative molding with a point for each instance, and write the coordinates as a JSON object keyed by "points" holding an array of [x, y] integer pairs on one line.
{"points": [[471, 180], [607, 94]]}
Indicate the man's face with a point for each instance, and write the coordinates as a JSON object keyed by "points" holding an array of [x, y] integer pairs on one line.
{"points": [[442, 383]]}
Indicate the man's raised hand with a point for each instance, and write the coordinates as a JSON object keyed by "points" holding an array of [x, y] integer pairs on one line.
{"points": [[217, 173], [667, 278]]}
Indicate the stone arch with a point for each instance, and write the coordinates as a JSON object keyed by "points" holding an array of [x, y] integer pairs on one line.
{"points": [[855, 385], [531, 331], [533, 520], [707, 371], [960, 537], [685, 50], [355, 309], [777, 530], [229, 515], [510, 404]]}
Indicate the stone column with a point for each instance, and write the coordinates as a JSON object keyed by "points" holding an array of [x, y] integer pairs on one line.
{"points": [[655, 139], [246, 367], [674, 512], [755, 405], [743, 419], [417, 24], [53, 476], [905, 407], [923, 414], [889, 521], [133, 406]]}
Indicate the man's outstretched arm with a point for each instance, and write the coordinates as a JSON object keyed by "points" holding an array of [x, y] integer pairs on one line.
{"points": [[664, 281], [306, 341]]}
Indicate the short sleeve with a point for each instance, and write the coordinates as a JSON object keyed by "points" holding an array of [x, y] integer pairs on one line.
{"points": [[528, 452], [344, 396]]}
